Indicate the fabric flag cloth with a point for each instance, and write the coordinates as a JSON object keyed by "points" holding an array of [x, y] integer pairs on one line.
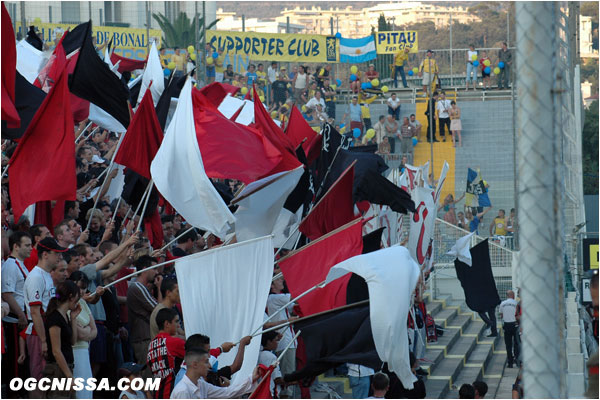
{"points": [[28, 100], [265, 124], [33, 39], [223, 308], [230, 106], [285, 226], [298, 129], [126, 64], [335, 338], [178, 173], [216, 92], [9, 69], [460, 249], [142, 140], [357, 50], [230, 150], [372, 241], [335, 209], [476, 192], [263, 390], [34, 177], [73, 39], [376, 189], [93, 80], [153, 77], [309, 266], [391, 275], [164, 103], [29, 61], [422, 224], [261, 202], [478, 281], [134, 187], [116, 184]]}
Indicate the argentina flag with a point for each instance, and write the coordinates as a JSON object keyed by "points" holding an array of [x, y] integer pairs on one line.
{"points": [[357, 50]]}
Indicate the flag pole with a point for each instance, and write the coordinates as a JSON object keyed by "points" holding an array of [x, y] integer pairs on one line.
{"points": [[5, 169], [110, 166], [150, 185], [83, 131], [88, 136], [112, 219], [285, 324], [173, 241]]}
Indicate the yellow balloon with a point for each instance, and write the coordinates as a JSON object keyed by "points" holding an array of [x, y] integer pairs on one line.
{"points": [[171, 65], [190, 49], [235, 83], [384, 89], [497, 71], [354, 69], [474, 57], [244, 90], [193, 56], [289, 85], [262, 98], [375, 82], [487, 63], [415, 70], [333, 87], [370, 133], [273, 114], [209, 60], [303, 108]]}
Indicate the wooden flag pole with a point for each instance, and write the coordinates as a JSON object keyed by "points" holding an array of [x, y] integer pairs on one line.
{"points": [[5, 169], [173, 241], [141, 202], [83, 131], [150, 186], [112, 219]]}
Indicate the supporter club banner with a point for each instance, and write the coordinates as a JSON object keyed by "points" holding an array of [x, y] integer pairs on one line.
{"points": [[276, 46], [393, 41]]}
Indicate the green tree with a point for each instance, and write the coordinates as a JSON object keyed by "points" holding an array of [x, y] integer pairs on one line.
{"points": [[590, 150], [180, 32]]}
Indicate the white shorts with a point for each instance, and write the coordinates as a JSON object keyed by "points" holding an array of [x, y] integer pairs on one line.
{"points": [[218, 77], [427, 77]]}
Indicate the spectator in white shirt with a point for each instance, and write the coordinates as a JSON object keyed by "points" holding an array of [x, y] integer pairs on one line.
{"points": [[508, 312], [267, 357], [471, 69], [442, 114], [394, 107], [272, 72], [415, 124], [360, 380], [317, 99]]}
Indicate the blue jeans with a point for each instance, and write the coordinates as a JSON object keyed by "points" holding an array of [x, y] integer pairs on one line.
{"points": [[471, 69], [360, 386], [402, 75]]}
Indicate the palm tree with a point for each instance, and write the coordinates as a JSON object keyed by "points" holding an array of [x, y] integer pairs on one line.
{"points": [[180, 32]]}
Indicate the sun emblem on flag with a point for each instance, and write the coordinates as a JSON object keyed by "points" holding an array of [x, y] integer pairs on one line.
{"points": [[357, 51]]}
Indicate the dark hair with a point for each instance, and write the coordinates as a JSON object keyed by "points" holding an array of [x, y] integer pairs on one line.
{"points": [[79, 276], [380, 381], [105, 246], [194, 351], [267, 337], [191, 235], [82, 150], [466, 392], [15, 238], [64, 292], [36, 230], [165, 315], [452, 102], [144, 262], [480, 387], [381, 117], [196, 341], [166, 218], [412, 115], [81, 249], [167, 285], [65, 223], [68, 255], [70, 205]]}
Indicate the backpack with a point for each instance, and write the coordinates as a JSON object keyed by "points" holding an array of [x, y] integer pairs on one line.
{"points": [[430, 329]]}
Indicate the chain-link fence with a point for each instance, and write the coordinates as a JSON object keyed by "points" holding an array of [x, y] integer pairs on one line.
{"points": [[549, 188]]}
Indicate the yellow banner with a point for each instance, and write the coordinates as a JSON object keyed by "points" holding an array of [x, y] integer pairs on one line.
{"points": [[393, 42], [276, 46], [127, 42]]}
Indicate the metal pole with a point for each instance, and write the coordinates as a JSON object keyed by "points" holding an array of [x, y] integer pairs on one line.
{"points": [[540, 255], [431, 112], [244, 22], [451, 66], [204, 78], [23, 21], [287, 30], [508, 26], [89, 11], [197, 40], [148, 26], [331, 24]]}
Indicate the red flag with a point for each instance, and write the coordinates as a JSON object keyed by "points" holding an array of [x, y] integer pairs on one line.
{"points": [[230, 150], [310, 265], [142, 140], [216, 92], [127, 64], [200, 100], [267, 126], [263, 390], [312, 149], [34, 176], [9, 72], [154, 230], [298, 129], [336, 208]]}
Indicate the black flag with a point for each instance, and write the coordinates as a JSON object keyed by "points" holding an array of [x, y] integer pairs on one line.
{"points": [[336, 338], [375, 188], [93, 81], [28, 99], [164, 102], [73, 40], [478, 281]]}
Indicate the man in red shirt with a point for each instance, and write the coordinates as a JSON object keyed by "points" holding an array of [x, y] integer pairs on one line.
{"points": [[166, 352]]}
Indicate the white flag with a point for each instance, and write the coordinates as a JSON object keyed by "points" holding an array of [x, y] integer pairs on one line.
{"points": [[422, 223], [152, 73], [285, 232], [230, 105], [224, 294], [103, 119], [461, 249], [391, 275], [178, 172], [116, 184], [30, 61], [261, 202]]}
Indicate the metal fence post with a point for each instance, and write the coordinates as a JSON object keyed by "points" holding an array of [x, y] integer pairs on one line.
{"points": [[539, 199]]}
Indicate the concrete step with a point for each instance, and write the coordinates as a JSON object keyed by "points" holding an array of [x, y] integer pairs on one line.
{"points": [[339, 384]]}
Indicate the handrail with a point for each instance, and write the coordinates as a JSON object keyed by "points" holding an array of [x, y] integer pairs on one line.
{"points": [[475, 236]]}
